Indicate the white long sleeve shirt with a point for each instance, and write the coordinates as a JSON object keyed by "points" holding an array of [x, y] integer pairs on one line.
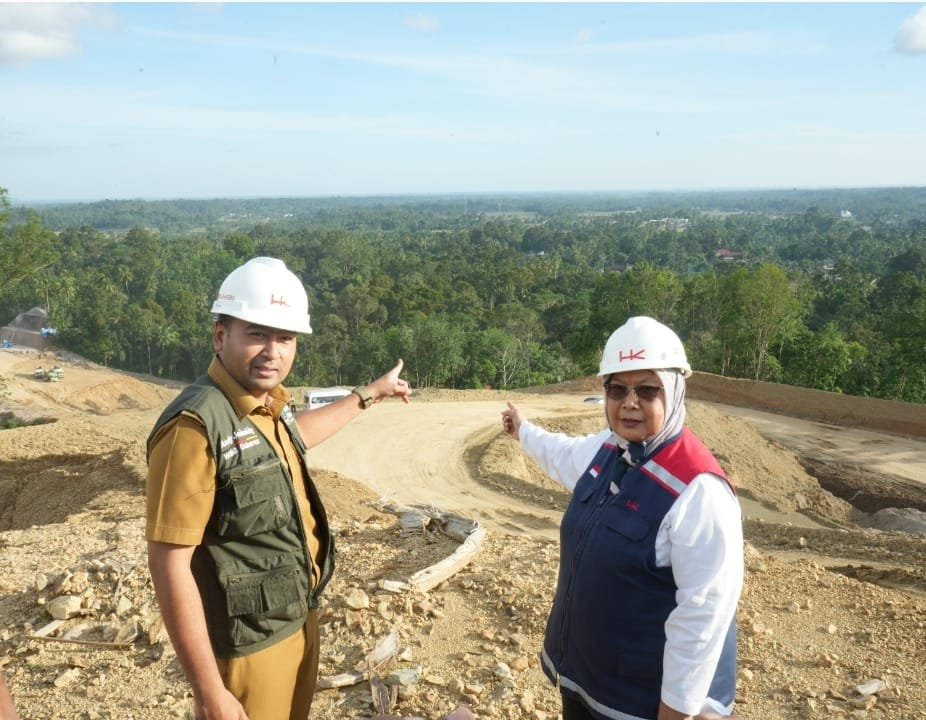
{"points": [[700, 538]]}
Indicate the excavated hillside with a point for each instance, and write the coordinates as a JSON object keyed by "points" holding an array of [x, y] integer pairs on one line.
{"points": [[831, 621]]}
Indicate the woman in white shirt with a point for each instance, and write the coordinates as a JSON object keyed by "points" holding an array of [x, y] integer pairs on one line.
{"points": [[643, 623]]}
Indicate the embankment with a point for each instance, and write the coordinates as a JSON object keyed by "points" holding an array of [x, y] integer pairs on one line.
{"points": [[845, 410]]}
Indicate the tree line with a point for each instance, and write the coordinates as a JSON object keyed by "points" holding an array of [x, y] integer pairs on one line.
{"points": [[507, 293]]}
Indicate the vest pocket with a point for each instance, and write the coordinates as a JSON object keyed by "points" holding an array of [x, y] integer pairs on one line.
{"points": [[630, 524], [252, 500], [260, 604]]}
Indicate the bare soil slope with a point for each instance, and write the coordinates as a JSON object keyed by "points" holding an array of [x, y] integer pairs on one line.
{"points": [[830, 604]]}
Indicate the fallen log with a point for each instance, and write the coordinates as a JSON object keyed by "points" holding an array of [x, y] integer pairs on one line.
{"points": [[468, 532]]}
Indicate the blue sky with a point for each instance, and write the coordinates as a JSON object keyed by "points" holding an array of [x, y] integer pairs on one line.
{"points": [[158, 100]]}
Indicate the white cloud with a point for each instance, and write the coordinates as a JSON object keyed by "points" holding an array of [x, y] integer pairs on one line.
{"points": [[424, 23], [33, 31], [585, 35], [911, 37], [24, 45]]}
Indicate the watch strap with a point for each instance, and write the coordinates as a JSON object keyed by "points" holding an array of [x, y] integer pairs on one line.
{"points": [[365, 398]]}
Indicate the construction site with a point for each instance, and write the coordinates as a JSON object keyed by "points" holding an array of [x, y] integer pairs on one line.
{"points": [[833, 491]]}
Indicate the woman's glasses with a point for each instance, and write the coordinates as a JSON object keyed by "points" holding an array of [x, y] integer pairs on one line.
{"points": [[644, 393]]}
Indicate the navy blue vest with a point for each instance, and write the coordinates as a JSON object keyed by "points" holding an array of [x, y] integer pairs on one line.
{"points": [[605, 635]]}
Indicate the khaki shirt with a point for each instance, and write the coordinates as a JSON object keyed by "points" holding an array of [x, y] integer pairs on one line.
{"points": [[181, 468]]}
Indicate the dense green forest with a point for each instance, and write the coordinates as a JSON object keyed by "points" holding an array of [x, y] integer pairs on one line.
{"points": [[822, 289]]}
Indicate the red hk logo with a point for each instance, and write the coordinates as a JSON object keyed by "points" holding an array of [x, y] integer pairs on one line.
{"points": [[274, 300], [632, 505], [633, 355]]}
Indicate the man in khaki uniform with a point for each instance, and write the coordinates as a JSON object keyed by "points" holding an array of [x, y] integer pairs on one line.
{"points": [[239, 546]]}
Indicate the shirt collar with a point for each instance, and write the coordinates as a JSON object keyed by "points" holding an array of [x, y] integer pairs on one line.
{"points": [[241, 400]]}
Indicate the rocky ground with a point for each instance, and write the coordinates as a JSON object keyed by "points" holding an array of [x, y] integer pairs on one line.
{"points": [[831, 622]]}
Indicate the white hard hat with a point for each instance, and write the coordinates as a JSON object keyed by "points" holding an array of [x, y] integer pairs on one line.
{"points": [[642, 343], [265, 292]]}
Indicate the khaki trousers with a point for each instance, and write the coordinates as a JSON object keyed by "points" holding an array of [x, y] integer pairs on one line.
{"points": [[277, 683]]}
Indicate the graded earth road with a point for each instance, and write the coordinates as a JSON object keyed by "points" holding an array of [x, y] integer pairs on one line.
{"points": [[426, 452]]}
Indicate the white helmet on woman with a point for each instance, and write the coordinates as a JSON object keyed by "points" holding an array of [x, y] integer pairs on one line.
{"points": [[263, 291], [642, 343]]}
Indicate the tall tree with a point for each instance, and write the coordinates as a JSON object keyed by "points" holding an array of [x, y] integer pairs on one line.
{"points": [[765, 312], [25, 248]]}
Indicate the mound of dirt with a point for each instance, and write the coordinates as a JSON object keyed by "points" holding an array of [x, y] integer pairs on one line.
{"points": [[84, 387], [830, 621]]}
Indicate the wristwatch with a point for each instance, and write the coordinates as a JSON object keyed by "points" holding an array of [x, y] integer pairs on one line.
{"points": [[363, 393]]}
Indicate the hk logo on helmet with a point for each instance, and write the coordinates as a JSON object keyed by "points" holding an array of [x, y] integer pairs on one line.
{"points": [[633, 355], [274, 300]]}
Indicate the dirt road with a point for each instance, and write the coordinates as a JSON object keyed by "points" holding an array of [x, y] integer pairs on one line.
{"points": [[424, 453], [445, 437]]}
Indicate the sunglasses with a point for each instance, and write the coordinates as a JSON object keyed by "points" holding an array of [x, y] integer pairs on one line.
{"points": [[644, 393]]}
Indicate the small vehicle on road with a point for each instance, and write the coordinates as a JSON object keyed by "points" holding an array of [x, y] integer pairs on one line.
{"points": [[315, 399]]}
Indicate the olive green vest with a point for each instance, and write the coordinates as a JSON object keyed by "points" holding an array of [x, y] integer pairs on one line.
{"points": [[252, 567]]}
